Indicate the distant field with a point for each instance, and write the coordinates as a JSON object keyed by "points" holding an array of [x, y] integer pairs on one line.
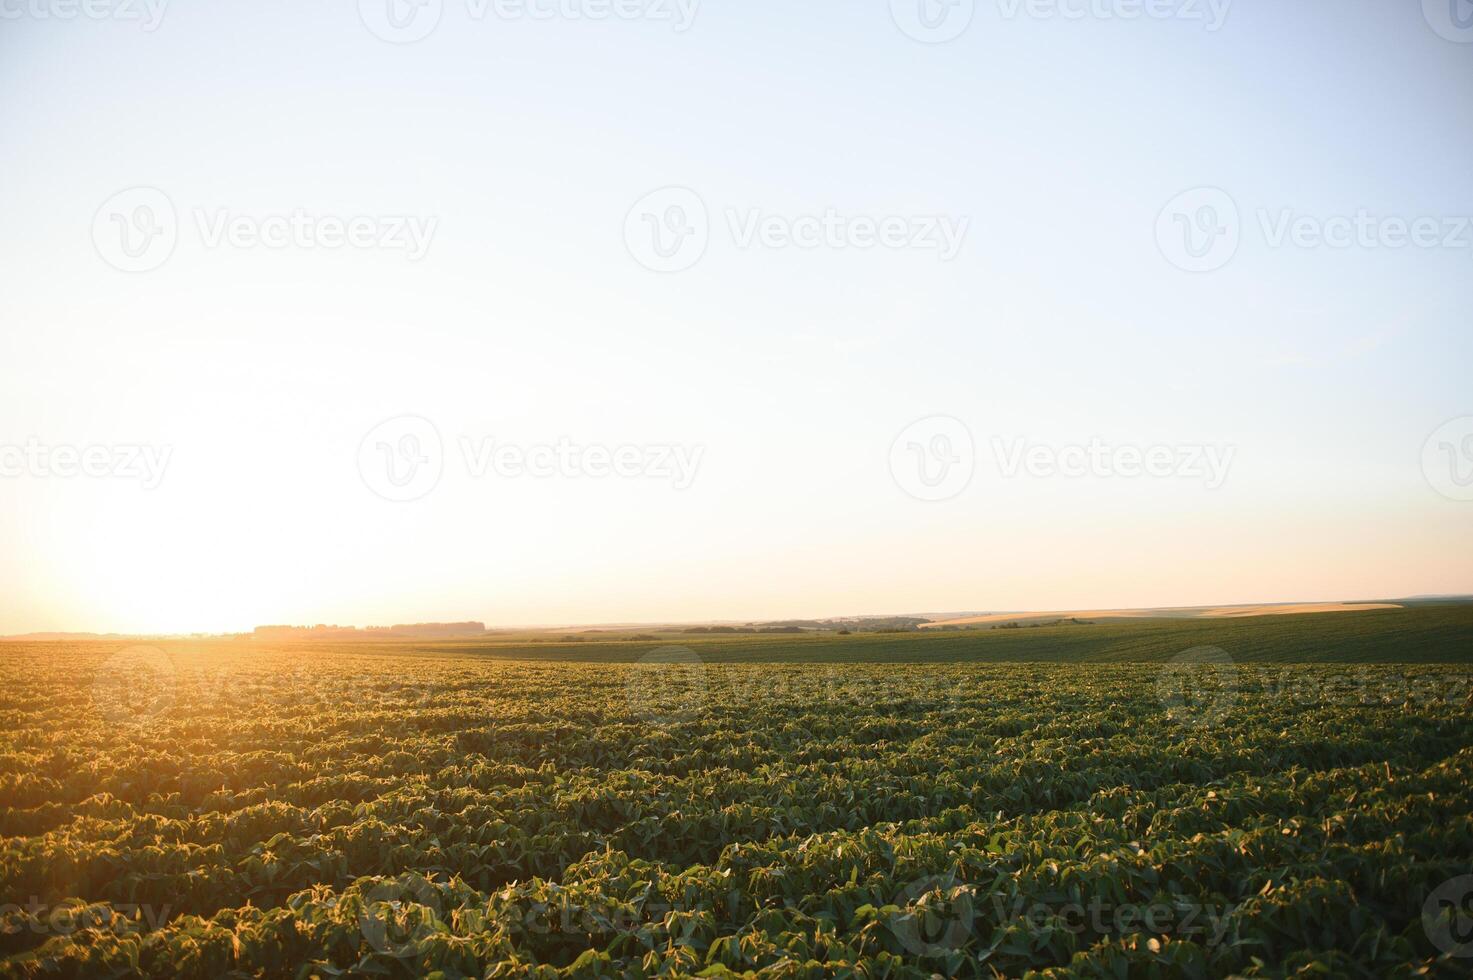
{"points": [[1195, 612], [1429, 632], [1418, 634]]}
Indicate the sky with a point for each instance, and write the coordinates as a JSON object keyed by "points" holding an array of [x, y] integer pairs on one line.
{"points": [[581, 311]]}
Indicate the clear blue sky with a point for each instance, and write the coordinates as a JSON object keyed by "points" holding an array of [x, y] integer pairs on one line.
{"points": [[528, 141]]}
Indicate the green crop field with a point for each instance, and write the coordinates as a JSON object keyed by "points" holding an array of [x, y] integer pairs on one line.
{"points": [[1280, 796]]}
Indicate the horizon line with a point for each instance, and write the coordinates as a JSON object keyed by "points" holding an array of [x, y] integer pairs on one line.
{"points": [[932, 616]]}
